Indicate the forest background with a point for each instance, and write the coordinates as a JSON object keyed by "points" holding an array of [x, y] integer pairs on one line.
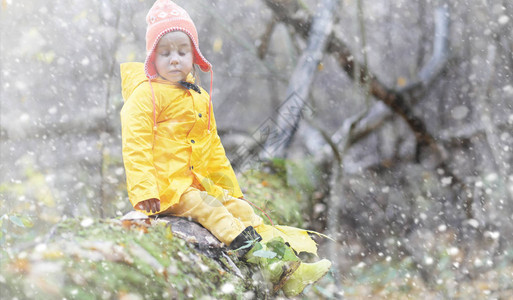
{"points": [[400, 144]]}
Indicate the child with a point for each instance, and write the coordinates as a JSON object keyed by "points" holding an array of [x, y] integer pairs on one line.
{"points": [[174, 160]]}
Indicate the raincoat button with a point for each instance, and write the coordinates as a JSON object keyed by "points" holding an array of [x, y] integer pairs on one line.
{"points": [[200, 115], [192, 141]]}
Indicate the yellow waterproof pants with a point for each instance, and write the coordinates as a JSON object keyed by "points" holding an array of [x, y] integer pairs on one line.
{"points": [[225, 217]]}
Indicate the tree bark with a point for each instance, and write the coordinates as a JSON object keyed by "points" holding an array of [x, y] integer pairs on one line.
{"points": [[278, 133]]}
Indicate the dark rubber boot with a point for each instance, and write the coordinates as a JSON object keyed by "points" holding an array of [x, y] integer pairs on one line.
{"points": [[245, 241]]}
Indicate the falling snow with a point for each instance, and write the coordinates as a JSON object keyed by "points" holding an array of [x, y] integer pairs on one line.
{"points": [[423, 201]]}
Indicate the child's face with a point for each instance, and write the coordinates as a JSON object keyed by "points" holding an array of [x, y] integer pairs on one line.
{"points": [[174, 56]]}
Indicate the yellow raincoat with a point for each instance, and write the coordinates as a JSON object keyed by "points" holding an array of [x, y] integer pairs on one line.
{"points": [[162, 163]]}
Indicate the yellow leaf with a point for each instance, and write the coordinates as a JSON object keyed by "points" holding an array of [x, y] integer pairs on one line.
{"points": [[131, 56], [218, 45], [46, 57], [298, 239], [320, 234], [82, 15], [169, 233], [401, 81], [53, 254]]}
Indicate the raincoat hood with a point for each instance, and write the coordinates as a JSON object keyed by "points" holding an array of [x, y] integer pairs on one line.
{"points": [[132, 75]]}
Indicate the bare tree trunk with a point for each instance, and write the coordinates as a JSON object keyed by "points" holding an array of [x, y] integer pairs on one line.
{"points": [[336, 186], [441, 50], [486, 118], [111, 16], [422, 24], [293, 108], [265, 40]]}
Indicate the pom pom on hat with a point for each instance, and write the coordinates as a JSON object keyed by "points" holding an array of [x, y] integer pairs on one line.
{"points": [[166, 16]]}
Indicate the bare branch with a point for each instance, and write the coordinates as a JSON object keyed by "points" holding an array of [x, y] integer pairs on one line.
{"points": [[292, 109], [441, 52], [266, 39]]}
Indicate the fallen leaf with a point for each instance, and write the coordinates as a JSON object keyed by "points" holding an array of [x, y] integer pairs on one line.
{"points": [[401, 81], [218, 45], [298, 239], [21, 265]]}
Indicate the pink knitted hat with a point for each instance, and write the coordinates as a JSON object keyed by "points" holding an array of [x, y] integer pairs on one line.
{"points": [[166, 16]]}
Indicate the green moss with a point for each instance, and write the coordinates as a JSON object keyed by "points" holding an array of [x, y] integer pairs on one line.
{"points": [[98, 261], [272, 194]]}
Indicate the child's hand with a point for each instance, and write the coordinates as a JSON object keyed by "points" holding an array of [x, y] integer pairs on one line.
{"points": [[150, 205]]}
